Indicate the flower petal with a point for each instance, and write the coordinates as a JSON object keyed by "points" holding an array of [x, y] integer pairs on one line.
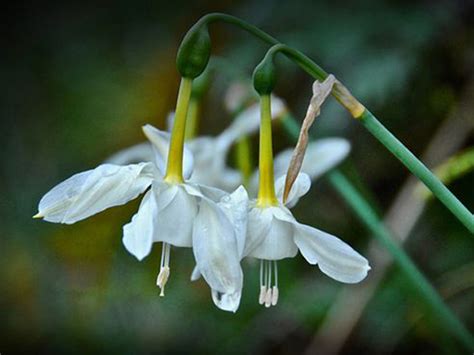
{"points": [[92, 191], [138, 234], [258, 226], [300, 187], [142, 152], [160, 141], [196, 274], [278, 242], [321, 156], [334, 257], [248, 121], [235, 206], [216, 254], [227, 301], [175, 220]]}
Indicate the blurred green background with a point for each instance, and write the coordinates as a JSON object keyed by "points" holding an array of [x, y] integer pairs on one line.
{"points": [[79, 81]]}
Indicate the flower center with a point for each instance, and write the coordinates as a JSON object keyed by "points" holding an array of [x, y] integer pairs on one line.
{"points": [[268, 293], [164, 273]]}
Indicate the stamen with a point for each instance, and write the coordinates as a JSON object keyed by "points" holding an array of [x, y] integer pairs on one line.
{"points": [[275, 291], [261, 297], [164, 273], [263, 288], [276, 273], [268, 295], [275, 294]]}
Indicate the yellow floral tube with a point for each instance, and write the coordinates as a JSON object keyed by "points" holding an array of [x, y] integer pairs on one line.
{"points": [[266, 186], [174, 168]]}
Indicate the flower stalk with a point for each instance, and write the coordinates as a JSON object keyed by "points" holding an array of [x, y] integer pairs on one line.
{"points": [[174, 168]]}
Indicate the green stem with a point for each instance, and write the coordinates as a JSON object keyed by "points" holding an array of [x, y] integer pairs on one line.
{"points": [[368, 120], [418, 169], [369, 217]]}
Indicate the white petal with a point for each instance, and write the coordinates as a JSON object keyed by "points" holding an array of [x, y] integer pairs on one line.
{"points": [[230, 179], [334, 257], [258, 225], [199, 190], [300, 187], [92, 191], [235, 206], [170, 121], [137, 153], [278, 242], [321, 156], [196, 274], [160, 141], [227, 301], [253, 185], [216, 254], [209, 161], [138, 234], [248, 121], [175, 220]]}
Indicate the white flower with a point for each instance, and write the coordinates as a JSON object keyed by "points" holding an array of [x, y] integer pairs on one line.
{"points": [[210, 153], [179, 214], [274, 234]]}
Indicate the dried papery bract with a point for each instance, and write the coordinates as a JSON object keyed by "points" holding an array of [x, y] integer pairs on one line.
{"points": [[320, 92]]}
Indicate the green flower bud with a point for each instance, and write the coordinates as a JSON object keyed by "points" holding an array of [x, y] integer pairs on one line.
{"points": [[264, 77], [194, 52]]}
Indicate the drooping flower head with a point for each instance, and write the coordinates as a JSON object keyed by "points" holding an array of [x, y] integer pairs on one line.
{"points": [[274, 234]]}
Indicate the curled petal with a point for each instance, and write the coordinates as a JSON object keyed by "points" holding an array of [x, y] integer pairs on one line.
{"points": [[300, 187], [137, 153], [334, 257], [160, 141], [138, 234], [92, 191], [216, 254]]}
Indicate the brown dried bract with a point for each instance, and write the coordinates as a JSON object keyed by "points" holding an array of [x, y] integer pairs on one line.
{"points": [[320, 92]]}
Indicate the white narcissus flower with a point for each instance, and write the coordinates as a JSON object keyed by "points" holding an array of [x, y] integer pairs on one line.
{"points": [[210, 153], [274, 234], [180, 214]]}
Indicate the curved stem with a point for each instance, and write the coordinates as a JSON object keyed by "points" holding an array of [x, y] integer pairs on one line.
{"points": [[367, 119]]}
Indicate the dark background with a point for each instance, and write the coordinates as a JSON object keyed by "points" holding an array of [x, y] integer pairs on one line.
{"points": [[79, 79]]}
